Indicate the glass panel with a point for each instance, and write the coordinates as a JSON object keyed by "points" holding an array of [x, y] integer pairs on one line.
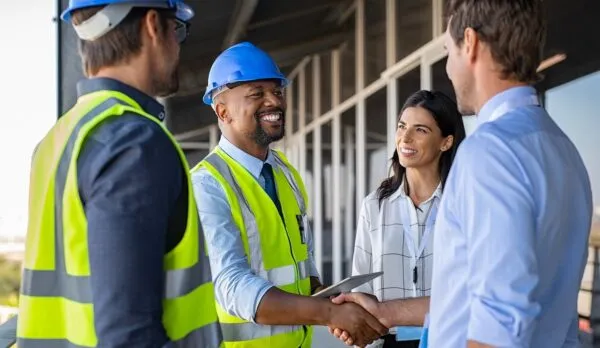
{"points": [[325, 59], [440, 82], [377, 160], [408, 84], [413, 25], [292, 109], [308, 92], [375, 50], [348, 68], [578, 116]]}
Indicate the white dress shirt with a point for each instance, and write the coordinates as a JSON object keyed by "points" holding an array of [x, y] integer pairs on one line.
{"points": [[382, 244]]}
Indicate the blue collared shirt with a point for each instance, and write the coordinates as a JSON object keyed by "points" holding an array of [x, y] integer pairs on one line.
{"points": [[511, 238], [131, 182], [237, 288]]}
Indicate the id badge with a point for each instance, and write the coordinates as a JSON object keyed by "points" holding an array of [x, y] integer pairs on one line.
{"points": [[301, 219], [425, 334], [408, 333]]}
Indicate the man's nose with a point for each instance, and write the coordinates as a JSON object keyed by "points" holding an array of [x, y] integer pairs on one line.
{"points": [[272, 100]]}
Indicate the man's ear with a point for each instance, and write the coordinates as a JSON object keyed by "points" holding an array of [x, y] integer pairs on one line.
{"points": [[470, 43], [222, 113], [152, 26]]}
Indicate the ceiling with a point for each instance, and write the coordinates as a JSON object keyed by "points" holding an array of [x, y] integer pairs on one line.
{"points": [[291, 30]]}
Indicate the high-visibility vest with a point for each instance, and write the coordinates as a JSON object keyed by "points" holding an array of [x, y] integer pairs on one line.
{"points": [[276, 249], [55, 305]]}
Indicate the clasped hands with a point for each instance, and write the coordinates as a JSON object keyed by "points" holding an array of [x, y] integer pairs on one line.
{"points": [[362, 319]]}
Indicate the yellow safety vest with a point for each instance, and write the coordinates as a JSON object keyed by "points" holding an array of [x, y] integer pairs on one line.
{"points": [[55, 307], [275, 248]]}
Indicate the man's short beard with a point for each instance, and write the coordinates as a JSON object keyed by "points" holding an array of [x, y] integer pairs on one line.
{"points": [[168, 86], [263, 139]]}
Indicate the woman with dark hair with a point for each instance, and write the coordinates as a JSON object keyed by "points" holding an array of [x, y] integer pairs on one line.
{"points": [[396, 220]]}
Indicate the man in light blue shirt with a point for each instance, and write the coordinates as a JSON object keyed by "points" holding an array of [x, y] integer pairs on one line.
{"points": [[511, 237]]}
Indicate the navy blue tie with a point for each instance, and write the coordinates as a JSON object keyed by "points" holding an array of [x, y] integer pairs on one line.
{"points": [[267, 174]]}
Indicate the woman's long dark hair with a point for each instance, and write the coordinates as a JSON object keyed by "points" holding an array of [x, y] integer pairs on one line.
{"points": [[447, 118]]}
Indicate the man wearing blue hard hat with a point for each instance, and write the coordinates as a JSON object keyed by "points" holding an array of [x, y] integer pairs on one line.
{"points": [[252, 205], [115, 256]]}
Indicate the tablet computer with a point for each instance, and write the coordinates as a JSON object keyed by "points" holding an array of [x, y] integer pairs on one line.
{"points": [[347, 284]]}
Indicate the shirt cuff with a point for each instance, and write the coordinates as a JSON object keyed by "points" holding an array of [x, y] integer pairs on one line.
{"points": [[258, 298], [248, 296], [497, 325]]}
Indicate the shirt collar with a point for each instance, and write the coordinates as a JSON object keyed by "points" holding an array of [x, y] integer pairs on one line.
{"points": [[146, 102], [401, 193], [496, 101], [251, 163]]}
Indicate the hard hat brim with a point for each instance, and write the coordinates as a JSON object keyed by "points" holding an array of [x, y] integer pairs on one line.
{"points": [[183, 11], [208, 99]]}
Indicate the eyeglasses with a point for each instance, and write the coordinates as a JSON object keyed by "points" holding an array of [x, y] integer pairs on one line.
{"points": [[182, 30]]}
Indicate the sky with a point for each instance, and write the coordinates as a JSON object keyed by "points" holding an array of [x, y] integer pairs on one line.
{"points": [[28, 95]]}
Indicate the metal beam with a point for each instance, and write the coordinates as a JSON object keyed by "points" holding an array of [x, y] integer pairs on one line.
{"points": [[193, 81], [296, 51], [302, 121], [317, 167], [336, 164], [244, 10], [361, 107], [195, 145], [288, 16], [341, 13], [349, 188]]}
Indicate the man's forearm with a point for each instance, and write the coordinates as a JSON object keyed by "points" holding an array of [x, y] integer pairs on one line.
{"points": [[281, 308], [405, 312]]}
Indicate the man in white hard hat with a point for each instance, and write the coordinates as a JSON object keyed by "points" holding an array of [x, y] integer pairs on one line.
{"points": [[114, 254]]}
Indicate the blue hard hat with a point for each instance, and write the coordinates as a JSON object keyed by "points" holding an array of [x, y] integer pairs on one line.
{"points": [[242, 62], [182, 11]]}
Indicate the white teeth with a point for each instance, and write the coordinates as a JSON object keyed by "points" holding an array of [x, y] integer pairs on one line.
{"points": [[271, 117], [407, 151]]}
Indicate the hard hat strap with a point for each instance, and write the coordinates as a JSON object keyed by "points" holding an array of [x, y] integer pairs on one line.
{"points": [[103, 21]]}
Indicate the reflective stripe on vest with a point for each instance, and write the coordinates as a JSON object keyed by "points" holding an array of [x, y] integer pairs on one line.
{"points": [[279, 276], [202, 337], [45, 290]]}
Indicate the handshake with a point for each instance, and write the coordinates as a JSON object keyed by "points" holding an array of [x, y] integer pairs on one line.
{"points": [[359, 319]]}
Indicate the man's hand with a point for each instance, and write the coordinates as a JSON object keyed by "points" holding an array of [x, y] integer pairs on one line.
{"points": [[362, 328], [366, 301]]}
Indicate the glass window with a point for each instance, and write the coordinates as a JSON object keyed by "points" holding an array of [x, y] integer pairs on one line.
{"points": [[413, 26], [440, 82], [578, 115]]}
